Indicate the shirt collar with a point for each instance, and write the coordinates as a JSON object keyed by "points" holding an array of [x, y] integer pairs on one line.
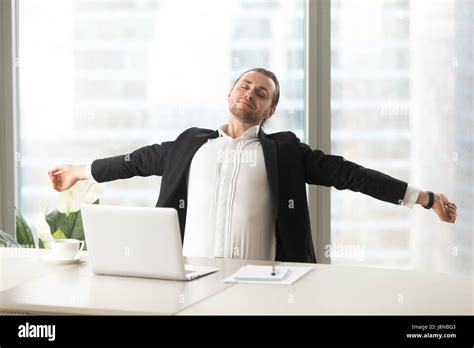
{"points": [[250, 133]]}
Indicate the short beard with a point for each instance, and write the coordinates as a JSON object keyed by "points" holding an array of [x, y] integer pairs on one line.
{"points": [[245, 116]]}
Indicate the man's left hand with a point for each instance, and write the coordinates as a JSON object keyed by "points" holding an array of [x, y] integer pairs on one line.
{"points": [[446, 210]]}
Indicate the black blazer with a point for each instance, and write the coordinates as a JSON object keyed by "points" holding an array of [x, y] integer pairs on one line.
{"points": [[290, 165]]}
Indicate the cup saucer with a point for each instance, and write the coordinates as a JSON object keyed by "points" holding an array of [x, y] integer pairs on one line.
{"points": [[50, 258]]}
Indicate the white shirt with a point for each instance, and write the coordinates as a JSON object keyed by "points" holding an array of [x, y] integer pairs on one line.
{"points": [[229, 210]]}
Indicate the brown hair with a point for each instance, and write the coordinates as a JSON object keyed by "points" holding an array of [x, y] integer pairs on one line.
{"points": [[267, 73]]}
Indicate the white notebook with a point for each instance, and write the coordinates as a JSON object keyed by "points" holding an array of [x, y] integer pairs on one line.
{"points": [[260, 273]]}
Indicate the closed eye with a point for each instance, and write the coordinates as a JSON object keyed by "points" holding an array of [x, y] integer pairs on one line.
{"points": [[261, 92]]}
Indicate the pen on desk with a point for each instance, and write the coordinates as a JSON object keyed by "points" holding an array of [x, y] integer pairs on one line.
{"points": [[273, 270]]}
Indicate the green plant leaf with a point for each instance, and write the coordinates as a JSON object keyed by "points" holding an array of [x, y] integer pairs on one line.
{"points": [[24, 235], [7, 241], [41, 244], [70, 224], [58, 221], [76, 227], [55, 219], [59, 234]]}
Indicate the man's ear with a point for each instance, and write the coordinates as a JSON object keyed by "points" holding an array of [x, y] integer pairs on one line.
{"points": [[230, 91], [270, 113]]}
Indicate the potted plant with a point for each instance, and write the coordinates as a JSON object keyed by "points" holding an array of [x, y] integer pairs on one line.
{"points": [[64, 222]]}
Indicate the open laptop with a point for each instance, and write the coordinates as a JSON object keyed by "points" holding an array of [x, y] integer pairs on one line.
{"points": [[137, 242]]}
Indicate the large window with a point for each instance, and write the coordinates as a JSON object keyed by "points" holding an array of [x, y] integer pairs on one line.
{"points": [[402, 83], [101, 78]]}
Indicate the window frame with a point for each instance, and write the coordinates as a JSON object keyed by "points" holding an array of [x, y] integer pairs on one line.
{"points": [[9, 152], [318, 115]]}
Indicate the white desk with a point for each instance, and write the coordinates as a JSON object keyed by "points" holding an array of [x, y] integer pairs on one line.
{"points": [[329, 289], [20, 265], [30, 286]]}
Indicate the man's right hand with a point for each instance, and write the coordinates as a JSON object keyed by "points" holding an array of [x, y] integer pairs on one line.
{"points": [[65, 176]]}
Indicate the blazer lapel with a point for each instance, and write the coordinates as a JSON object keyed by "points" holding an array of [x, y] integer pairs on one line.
{"points": [[179, 167], [196, 144], [270, 153]]}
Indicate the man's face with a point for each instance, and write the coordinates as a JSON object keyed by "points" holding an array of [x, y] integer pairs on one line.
{"points": [[251, 98]]}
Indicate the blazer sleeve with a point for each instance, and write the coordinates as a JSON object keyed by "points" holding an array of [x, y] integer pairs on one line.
{"points": [[336, 171], [145, 161]]}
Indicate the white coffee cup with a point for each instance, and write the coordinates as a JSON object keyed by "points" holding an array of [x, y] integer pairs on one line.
{"points": [[66, 249]]}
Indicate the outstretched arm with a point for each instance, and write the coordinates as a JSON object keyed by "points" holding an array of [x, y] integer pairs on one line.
{"points": [[146, 161], [336, 171]]}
